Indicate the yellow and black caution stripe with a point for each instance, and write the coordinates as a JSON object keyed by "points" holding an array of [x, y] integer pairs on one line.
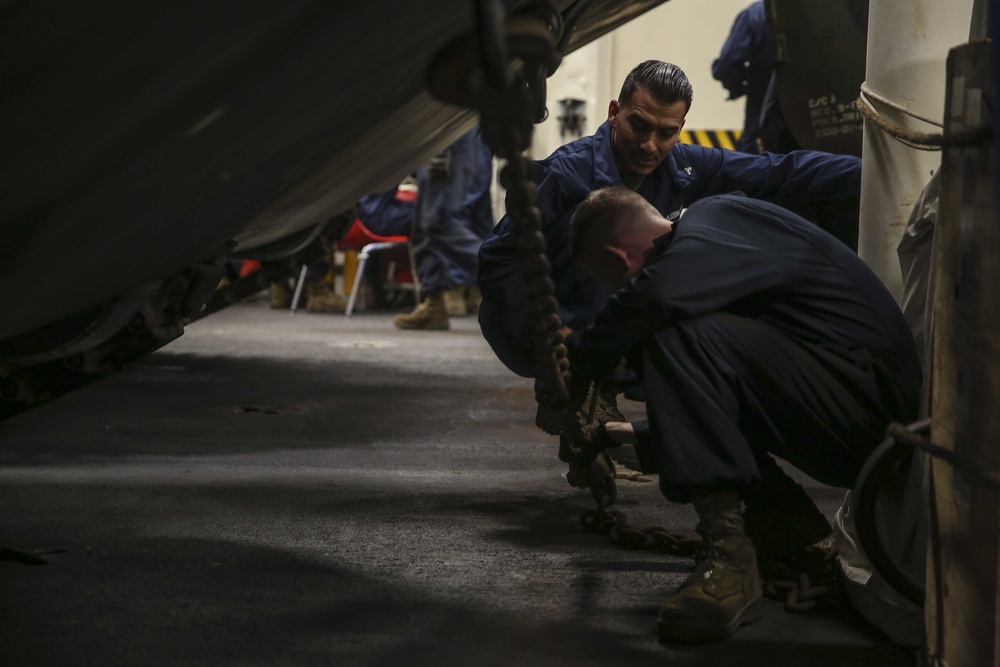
{"points": [[711, 138]]}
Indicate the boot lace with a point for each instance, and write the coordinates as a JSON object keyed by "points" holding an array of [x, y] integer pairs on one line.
{"points": [[708, 552]]}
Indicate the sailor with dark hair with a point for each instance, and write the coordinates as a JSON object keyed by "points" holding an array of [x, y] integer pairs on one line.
{"points": [[666, 82], [754, 333]]}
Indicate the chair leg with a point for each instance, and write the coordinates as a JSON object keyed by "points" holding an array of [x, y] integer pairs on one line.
{"points": [[362, 260], [298, 288], [413, 272]]}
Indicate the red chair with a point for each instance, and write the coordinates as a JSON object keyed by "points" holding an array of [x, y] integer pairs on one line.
{"points": [[361, 239]]}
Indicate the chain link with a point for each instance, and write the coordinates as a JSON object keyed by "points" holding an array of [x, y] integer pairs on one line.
{"points": [[808, 582], [549, 350], [614, 525], [500, 72]]}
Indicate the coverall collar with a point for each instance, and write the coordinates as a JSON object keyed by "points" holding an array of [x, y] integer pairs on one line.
{"points": [[606, 171], [661, 243]]}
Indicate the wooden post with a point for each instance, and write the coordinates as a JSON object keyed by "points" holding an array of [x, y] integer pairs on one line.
{"points": [[962, 574]]}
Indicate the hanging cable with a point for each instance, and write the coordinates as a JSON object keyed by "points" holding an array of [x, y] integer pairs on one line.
{"points": [[508, 91], [924, 141]]}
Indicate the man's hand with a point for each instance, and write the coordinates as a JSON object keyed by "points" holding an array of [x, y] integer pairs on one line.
{"points": [[621, 433]]}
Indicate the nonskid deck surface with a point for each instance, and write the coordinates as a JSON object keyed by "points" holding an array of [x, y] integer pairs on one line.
{"points": [[320, 490]]}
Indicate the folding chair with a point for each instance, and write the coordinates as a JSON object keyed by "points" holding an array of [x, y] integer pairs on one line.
{"points": [[365, 242]]}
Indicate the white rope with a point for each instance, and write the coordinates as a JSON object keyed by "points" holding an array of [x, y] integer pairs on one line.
{"points": [[918, 140], [868, 92]]}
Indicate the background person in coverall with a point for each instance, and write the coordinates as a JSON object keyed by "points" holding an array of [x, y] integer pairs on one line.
{"points": [[754, 332], [744, 68], [454, 216], [386, 214]]}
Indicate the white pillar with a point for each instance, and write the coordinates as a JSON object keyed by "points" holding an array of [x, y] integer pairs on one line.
{"points": [[579, 76], [908, 43]]}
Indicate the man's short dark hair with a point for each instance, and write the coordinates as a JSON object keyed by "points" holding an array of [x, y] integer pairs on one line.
{"points": [[667, 83], [595, 217]]}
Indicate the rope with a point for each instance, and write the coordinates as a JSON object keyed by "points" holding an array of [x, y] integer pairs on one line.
{"points": [[924, 141], [868, 92], [979, 473]]}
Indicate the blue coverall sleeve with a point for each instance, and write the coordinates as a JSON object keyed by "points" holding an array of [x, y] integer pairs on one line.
{"points": [[797, 177], [503, 297], [503, 313]]}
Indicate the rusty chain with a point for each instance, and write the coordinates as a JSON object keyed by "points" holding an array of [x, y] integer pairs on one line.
{"points": [[614, 525], [500, 72], [807, 582]]}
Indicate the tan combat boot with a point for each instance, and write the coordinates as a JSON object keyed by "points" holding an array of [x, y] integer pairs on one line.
{"points": [[431, 314], [323, 298], [724, 591], [454, 302], [280, 295]]}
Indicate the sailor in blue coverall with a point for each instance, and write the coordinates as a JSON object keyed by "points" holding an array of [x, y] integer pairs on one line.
{"points": [[754, 333], [637, 147]]}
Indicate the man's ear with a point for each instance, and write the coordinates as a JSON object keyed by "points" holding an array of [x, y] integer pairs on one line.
{"points": [[618, 257], [613, 109]]}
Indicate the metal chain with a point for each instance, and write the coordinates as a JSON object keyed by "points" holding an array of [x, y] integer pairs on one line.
{"points": [[614, 525], [808, 582], [548, 346], [500, 72], [805, 583]]}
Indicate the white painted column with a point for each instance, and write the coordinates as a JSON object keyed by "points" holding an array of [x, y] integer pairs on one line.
{"points": [[579, 76], [908, 43]]}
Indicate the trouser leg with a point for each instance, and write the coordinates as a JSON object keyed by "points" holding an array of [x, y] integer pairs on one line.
{"points": [[723, 391], [449, 232]]}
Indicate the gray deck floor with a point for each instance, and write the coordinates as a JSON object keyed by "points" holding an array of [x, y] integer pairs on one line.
{"points": [[397, 508]]}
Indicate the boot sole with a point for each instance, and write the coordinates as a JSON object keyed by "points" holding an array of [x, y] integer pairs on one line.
{"points": [[680, 632]]}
